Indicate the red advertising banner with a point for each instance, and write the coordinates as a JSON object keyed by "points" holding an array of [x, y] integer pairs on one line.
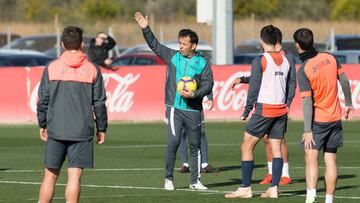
{"points": [[137, 93]]}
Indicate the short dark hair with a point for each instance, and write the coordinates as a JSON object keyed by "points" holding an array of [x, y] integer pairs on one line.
{"points": [[305, 38], [278, 35], [194, 39], [72, 38], [268, 35]]}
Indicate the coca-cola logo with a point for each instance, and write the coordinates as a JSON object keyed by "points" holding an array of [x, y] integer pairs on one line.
{"points": [[119, 98], [225, 99]]}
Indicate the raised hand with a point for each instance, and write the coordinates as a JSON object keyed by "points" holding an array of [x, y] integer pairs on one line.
{"points": [[141, 20]]}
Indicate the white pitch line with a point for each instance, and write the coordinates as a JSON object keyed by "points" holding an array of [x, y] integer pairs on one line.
{"points": [[164, 145], [214, 144], [159, 169], [108, 196], [157, 188]]}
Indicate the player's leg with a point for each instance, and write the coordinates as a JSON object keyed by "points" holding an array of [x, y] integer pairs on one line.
{"points": [[330, 173], [55, 153], [48, 185], [333, 141], [247, 159], [312, 173], [80, 155], [174, 126], [192, 123], [277, 161], [205, 167], [268, 176], [183, 153], [247, 167], [285, 176], [255, 130], [276, 135], [72, 191]]}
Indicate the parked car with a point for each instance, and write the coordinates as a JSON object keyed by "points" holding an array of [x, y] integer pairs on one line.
{"points": [[254, 46], [4, 38], [347, 56], [40, 43], [245, 58], [144, 48], [16, 57], [137, 59], [344, 42]]}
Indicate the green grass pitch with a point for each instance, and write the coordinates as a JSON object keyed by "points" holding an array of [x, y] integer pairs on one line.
{"points": [[129, 166]]}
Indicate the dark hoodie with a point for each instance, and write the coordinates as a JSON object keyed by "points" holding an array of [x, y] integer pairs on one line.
{"points": [[98, 54], [71, 92]]}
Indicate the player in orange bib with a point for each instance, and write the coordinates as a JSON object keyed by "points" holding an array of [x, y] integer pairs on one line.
{"points": [[318, 77]]}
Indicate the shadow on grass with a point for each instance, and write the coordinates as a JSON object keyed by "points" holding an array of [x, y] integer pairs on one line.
{"points": [[237, 167], [303, 191], [237, 181], [302, 180]]}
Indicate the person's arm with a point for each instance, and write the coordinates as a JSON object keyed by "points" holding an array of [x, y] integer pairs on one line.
{"points": [[99, 100], [42, 104], [307, 100], [159, 49], [345, 86], [110, 43], [210, 96], [291, 81], [254, 87], [206, 82], [242, 79], [307, 107]]}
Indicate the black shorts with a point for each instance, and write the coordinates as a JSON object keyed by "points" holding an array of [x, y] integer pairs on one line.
{"points": [[275, 127], [327, 135], [80, 153]]}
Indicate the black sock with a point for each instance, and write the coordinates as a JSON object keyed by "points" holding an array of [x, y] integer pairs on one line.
{"points": [[247, 170], [277, 164]]}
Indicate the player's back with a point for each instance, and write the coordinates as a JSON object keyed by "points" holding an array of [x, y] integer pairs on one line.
{"points": [[322, 73]]}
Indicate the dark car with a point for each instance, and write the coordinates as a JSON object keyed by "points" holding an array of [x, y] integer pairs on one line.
{"points": [[137, 59], [40, 43], [245, 58], [347, 56], [4, 38], [345, 42], [15, 57]]}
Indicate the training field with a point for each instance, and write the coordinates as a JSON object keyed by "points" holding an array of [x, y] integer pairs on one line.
{"points": [[129, 166]]}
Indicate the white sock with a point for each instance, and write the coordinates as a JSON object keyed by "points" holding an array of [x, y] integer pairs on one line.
{"points": [[186, 164], [269, 167], [310, 193], [285, 170], [329, 198], [203, 165]]}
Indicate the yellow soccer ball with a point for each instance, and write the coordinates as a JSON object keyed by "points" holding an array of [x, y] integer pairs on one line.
{"points": [[187, 83]]}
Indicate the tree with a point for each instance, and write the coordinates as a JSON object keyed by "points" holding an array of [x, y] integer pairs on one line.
{"points": [[345, 9]]}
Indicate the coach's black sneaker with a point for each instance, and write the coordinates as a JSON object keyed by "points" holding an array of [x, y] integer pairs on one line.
{"points": [[208, 169], [184, 169]]}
